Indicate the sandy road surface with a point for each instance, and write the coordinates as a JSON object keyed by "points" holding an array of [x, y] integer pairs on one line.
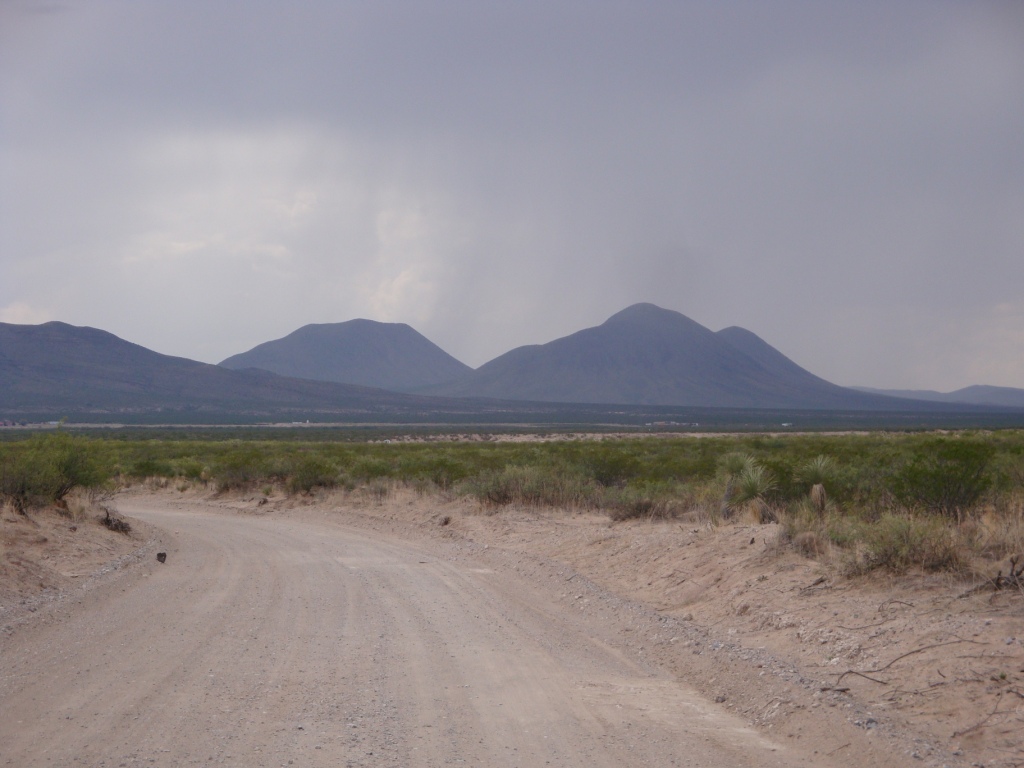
{"points": [[271, 642]]}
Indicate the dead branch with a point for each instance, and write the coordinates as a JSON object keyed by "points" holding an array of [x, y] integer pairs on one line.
{"points": [[980, 723], [813, 584], [901, 656], [884, 605], [866, 626], [860, 674], [1015, 578]]}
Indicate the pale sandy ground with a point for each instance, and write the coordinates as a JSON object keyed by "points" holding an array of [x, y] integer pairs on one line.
{"points": [[348, 631]]}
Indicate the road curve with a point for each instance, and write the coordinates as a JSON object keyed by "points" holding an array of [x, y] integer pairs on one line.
{"points": [[269, 641]]}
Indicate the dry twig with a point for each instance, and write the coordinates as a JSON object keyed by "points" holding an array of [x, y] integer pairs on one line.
{"points": [[1015, 578], [901, 656], [980, 723], [815, 583]]}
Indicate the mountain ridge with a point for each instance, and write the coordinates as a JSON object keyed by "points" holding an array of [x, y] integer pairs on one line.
{"points": [[56, 365], [647, 355], [976, 394], [643, 358]]}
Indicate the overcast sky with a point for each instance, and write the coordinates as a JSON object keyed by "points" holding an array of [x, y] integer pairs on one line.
{"points": [[844, 179]]}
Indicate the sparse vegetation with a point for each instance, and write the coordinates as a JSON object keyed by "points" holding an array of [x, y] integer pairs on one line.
{"points": [[871, 501]]}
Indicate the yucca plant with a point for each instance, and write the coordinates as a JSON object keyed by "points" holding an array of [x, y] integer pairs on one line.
{"points": [[731, 465], [750, 488], [821, 470]]}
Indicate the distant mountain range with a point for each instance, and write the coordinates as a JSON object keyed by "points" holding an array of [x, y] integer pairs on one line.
{"points": [[644, 355], [59, 366], [385, 355], [652, 356], [978, 394], [643, 359]]}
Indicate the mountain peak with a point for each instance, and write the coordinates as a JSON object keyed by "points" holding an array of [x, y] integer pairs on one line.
{"points": [[644, 312], [390, 356], [648, 355]]}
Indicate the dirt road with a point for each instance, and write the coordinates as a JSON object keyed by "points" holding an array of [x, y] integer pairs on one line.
{"points": [[267, 641]]}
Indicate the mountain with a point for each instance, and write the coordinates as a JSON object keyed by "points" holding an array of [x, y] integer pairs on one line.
{"points": [[56, 366], [644, 365], [652, 356], [385, 355], [978, 394]]}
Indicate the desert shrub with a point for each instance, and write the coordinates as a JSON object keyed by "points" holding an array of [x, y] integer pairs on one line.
{"points": [[443, 471], [367, 468], [612, 467], [379, 489], [895, 542], [150, 466], [312, 472], [189, 467], [702, 464], [240, 469], [652, 502], [804, 529], [999, 533], [945, 476], [799, 518], [899, 542], [45, 469], [780, 470], [534, 486]]}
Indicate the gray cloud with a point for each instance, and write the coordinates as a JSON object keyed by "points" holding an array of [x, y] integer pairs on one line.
{"points": [[846, 181]]}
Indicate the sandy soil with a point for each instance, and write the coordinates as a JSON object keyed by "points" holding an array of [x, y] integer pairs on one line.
{"points": [[349, 630], [47, 552]]}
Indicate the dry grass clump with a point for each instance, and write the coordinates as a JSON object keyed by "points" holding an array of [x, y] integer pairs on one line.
{"points": [[648, 504], [899, 542], [533, 486], [998, 532], [902, 540], [379, 489]]}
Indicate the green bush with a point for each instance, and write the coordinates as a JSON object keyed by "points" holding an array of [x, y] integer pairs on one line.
{"points": [[45, 469], [190, 468], [443, 471], [947, 476], [312, 472], [613, 468], [150, 466], [370, 468], [240, 469]]}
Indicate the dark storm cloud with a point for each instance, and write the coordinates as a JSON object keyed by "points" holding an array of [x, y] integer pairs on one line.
{"points": [[845, 180]]}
